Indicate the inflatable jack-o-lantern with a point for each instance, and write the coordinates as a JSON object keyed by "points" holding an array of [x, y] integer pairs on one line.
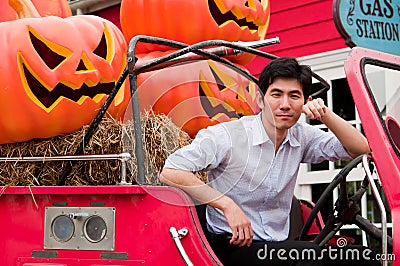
{"points": [[191, 21], [58, 8], [196, 94], [56, 73]]}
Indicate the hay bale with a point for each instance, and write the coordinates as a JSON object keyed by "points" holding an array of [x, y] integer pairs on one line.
{"points": [[161, 137]]}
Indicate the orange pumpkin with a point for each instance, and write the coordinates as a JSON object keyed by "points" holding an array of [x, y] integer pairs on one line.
{"points": [[55, 74], [58, 8], [190, 21], [196, 94]]}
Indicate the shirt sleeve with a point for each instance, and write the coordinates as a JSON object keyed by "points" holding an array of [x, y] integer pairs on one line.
{"points": [[205, 152], [321, 145]]}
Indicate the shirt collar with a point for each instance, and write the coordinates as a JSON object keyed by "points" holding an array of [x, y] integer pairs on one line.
{"points": [[291, 138], [260, 135]]}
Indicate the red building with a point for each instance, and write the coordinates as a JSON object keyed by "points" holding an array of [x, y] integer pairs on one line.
{"points": [[305, 27]]}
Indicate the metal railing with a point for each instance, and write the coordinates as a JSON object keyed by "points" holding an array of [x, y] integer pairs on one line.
{"points": [[123, 157]]}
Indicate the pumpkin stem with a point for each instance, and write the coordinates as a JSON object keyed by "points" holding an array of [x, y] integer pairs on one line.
{"points": [[24, 8]]}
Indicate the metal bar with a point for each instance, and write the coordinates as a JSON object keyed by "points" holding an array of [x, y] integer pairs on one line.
{"points": [[260, 43], [80, 7], [380, 205], [137, 127], [123, 157], [175, 236], [218, 51], [123, 170], [185, 49], [90, 157]]}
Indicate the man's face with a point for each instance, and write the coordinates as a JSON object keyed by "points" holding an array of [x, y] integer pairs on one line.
{"points": [[282, 104]]}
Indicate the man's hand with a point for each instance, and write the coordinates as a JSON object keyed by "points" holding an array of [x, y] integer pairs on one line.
{"points": [[242, 234], [315, 109], [352, 139]]}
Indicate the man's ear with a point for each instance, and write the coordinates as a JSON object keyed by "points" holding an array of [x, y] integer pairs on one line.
{"points": [[308, 99], [259, 99]]}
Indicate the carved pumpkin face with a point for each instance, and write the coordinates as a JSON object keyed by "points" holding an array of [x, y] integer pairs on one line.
{"points": [[58, 8], [191, 21], [54, 79], [197, 94]]}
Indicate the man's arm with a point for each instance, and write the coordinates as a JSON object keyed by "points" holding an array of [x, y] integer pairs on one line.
{"points": [[352, 140], [240, 225]]}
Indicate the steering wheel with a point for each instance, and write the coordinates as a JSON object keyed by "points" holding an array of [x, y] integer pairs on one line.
{"points": [[347, 209]]}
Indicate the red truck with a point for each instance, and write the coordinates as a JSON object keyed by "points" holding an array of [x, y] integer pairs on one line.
{"points": [[142, 224]]}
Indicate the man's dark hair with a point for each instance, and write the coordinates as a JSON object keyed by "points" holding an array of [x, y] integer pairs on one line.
{"points": [[286, 67]]}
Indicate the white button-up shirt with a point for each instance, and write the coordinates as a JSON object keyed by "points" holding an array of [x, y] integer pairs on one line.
{"points": [[241, 162]]}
